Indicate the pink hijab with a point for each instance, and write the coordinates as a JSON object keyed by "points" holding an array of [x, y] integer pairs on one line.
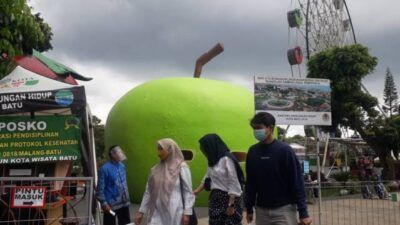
{"points": [[164, 175]]}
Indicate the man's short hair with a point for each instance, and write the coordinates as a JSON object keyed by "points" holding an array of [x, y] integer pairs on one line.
{"points": [[264, 118], [111, 149]]}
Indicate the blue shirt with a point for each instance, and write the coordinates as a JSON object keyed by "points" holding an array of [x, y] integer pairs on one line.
{"points": [[274, 178], [112, 188]]}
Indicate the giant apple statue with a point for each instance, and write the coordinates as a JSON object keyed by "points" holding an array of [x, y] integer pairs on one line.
{"points": [[183, 109]]}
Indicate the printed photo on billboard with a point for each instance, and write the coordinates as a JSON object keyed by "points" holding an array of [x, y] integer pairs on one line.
{"points": [[294, 101]]}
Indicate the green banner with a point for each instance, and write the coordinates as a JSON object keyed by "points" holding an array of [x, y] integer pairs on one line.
{"points": [[41, 139]]}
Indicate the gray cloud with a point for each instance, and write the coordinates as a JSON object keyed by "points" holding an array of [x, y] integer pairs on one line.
{"points": [[140, 40], [151, 34]]}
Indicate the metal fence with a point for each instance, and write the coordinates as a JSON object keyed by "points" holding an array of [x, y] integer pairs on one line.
{"points": [[46, 200], [353, 203]]}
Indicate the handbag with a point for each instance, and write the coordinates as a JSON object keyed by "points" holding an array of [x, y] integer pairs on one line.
{"points": [[193, 217]]}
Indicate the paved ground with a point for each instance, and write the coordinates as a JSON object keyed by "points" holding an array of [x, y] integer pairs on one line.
{"points": [[348, 210], [201, 212], [357, 212], [340, 212]]}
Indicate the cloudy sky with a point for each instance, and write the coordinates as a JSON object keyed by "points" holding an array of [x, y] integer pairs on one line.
{"points": [[123, 43]]}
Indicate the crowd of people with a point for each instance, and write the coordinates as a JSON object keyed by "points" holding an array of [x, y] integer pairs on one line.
{"points": [[274, 184]]}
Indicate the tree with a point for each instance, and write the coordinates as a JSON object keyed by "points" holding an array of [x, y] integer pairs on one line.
{"points": [[390, 96], [20, 32], [98, 130], [351, 107], [295, 139], [346, 67], [281, 132]]}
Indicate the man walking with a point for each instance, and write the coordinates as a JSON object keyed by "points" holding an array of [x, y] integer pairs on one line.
{"points": [[274, 183], [112, 189]]}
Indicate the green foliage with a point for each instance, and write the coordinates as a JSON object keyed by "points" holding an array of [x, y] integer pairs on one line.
{"points": [[341, 176], [281, 132], [351, 107], [20, 32], [98, 130], [345, 67], [295, 139], [394, 133], [390, 96], [315, 101]]}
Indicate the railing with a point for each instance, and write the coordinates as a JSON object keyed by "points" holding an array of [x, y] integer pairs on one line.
{"points": [[354, 203], [46, 200]]}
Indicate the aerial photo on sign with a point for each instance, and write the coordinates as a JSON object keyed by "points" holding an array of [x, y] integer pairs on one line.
{"points": [[294, 101]]}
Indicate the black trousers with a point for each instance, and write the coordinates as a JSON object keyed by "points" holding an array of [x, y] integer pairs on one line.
{"points": [[217, 206], [122, 214]]}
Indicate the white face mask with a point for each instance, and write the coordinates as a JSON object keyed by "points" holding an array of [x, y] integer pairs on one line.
{"points": [[118, 154]]}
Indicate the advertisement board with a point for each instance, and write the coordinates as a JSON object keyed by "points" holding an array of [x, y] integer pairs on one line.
{"points": [[294, 101], [40, 139]]}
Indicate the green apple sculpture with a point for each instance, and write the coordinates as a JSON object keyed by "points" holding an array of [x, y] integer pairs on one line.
{"points": [[183, 109]]}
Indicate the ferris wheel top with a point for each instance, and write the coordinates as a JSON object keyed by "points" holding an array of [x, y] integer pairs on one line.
{"points": [[321, 24]]}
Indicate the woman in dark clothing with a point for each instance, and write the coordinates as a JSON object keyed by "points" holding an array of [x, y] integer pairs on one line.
{"points": [[224, 178]]}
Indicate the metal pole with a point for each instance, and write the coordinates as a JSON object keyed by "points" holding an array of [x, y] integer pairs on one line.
{"points": [[307, 42], [345, 159], [325, 153], [90, 214], [319, 177], [351, 22]]}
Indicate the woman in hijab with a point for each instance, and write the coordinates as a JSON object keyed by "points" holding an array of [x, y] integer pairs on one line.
{"points": [[224, 177], [162, 200]]}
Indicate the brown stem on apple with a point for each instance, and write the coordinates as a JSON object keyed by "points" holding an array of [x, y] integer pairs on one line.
{"points": [[206, 57]]}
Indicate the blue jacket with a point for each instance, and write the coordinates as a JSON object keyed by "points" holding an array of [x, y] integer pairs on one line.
{"points": [[112, 188]]}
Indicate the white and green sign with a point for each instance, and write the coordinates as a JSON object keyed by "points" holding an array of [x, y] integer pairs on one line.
{"points": [[41, 139]]}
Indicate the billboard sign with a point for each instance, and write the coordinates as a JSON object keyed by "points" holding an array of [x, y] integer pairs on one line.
{"points": [[294, 101]]}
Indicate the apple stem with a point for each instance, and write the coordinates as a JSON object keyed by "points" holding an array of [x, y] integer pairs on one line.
{"points": [[206, 57]]}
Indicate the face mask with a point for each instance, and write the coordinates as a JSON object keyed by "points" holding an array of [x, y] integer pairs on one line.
{"points": [[260, 134]]}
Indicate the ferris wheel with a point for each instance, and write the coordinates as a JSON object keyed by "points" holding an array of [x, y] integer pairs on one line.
{"points": [[315, 25]]}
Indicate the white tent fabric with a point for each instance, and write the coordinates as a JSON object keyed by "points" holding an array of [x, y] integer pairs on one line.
{"points": [[297, 146], [298, 149], [22, 80]]}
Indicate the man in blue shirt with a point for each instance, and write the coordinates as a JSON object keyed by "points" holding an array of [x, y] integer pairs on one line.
{"points": [[112, 188], [274, 183]]}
